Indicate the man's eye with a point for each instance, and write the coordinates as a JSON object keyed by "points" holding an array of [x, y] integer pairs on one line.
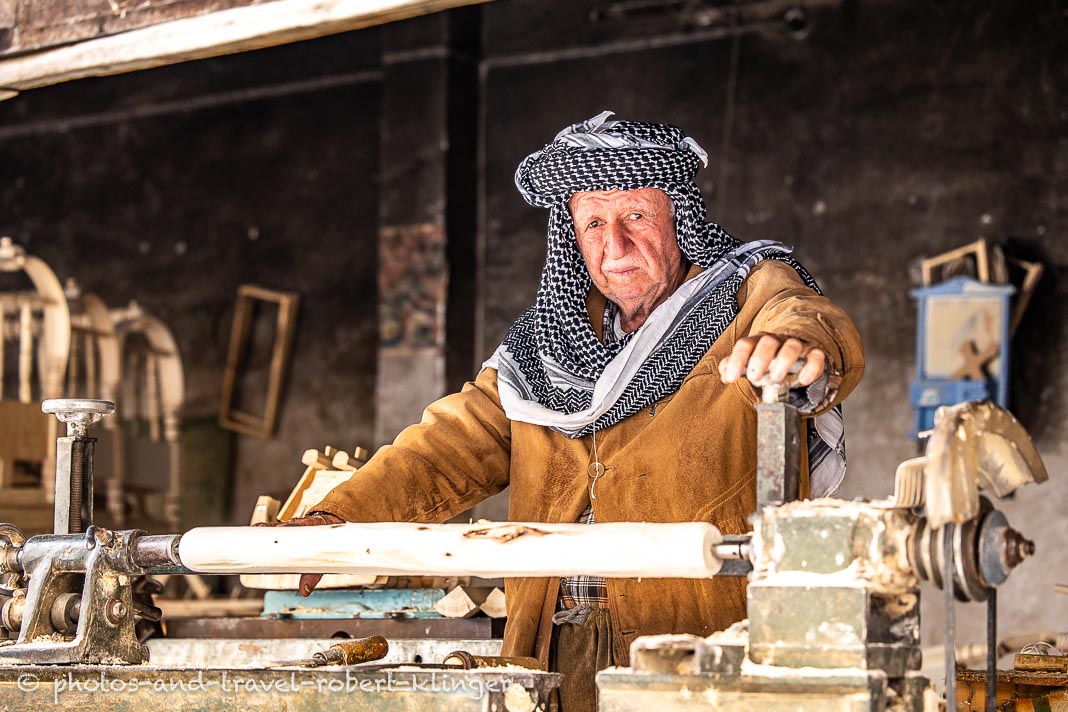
{"points": [[593, 224], [636, 216]]}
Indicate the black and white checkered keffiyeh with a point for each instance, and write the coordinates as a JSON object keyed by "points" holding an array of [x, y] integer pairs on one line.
{"points": [[552, 368]]}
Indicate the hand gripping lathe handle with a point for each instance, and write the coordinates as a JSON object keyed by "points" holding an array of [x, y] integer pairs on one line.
{"points": [[778, 441]]}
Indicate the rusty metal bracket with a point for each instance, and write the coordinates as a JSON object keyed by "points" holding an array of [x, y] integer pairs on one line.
{"points": [[778, 446]]}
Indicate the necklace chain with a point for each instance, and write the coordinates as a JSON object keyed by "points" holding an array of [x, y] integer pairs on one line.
{"points": [[596, 469]]}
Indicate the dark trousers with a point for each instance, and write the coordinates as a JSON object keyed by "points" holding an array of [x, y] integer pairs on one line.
{"points": [[579, 652]]}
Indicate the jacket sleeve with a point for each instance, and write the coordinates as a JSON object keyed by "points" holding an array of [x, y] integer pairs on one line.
{"points": [[774, 300], [456, 456]]}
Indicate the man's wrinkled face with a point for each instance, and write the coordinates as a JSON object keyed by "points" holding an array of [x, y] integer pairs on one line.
{"points": [[627, 238]]}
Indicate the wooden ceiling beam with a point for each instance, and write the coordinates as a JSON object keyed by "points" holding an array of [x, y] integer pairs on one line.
{"points": [[217, 33]]}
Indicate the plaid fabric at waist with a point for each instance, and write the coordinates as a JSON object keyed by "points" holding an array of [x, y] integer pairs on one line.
{"points": [[583, 590]]}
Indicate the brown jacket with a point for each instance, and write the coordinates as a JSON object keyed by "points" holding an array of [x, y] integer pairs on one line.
{"points": [[689, 457]]}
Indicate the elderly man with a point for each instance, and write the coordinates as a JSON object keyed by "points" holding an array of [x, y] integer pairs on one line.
{"points": [[620, 395]]}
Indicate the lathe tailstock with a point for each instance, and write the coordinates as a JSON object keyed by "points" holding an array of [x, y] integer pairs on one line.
{"points": [[834, 594]]}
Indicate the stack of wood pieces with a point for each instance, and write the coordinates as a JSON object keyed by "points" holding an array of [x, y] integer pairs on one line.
{"points": [[325, 470], [469, 601]]}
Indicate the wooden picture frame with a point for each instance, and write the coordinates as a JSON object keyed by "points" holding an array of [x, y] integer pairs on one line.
{"points": [[1032, 274], [231, 416], [978, 250]]}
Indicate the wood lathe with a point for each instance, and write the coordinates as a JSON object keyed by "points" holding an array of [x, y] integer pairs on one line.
{"points": [[833, 594]]}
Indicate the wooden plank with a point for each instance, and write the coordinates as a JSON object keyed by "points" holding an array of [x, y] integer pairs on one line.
{"points": [[25, 432], [310, 490], [33, 517], [216, 607], [224, 32], [266, 510], [1029, 662], [49, 24], [20, 499], [199, 588], [1029, 690]]}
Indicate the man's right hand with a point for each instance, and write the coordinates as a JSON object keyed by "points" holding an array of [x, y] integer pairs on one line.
{"points": [[308, 582]]}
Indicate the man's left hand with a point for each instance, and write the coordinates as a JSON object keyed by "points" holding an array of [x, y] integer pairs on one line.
{"points": [[761, 353], [308, 582]]}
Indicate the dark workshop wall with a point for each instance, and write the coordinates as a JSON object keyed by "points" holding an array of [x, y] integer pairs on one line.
{"points": [[886, 135], [892, 131], [174, 186]]}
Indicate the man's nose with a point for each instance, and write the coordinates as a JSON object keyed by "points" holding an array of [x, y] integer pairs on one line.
{"points": [[617, 241]]}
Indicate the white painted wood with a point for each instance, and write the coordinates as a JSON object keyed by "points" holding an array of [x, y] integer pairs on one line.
{"points": [[313, 486], [25, 353], [92, 389], [152, 397], [462, 601], [344, 461], [72, 367], [488, 550], [314, 458], [222, 32], [494, 605]]}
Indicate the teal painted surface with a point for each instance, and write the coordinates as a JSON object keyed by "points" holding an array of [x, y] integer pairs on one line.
{"points": [[378, 603]]}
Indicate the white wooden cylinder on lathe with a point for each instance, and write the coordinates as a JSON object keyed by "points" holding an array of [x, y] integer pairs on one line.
{"points": [[489, 550]]}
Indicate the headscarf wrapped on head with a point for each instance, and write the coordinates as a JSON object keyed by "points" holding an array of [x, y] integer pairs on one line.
{"points": [[552, 368]]}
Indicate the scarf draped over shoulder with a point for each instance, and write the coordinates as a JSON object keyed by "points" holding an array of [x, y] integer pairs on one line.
{"points": [[552, 368]]}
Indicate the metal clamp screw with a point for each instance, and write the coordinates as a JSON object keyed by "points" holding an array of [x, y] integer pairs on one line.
{"points": [[78, 413], [114, 611]]}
